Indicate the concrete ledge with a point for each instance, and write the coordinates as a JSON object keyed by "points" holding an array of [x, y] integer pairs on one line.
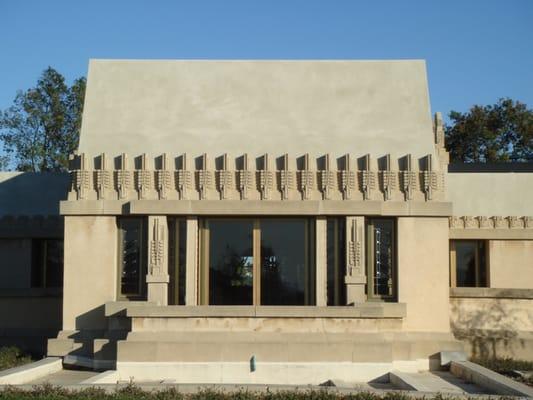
{"points": [[266, 373], [492, 293], [118, 308], [364, 310], [492, 233], [30, 372], [489, 379], [256, 207]]}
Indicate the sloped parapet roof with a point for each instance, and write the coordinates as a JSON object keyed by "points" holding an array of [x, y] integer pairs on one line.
{"points": [[256, 107]]}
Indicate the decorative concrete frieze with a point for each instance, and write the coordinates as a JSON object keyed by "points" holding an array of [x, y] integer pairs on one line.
{"points": [[104, 183], [491, 228], [288, 178], [494, 222], [157, 279], [355, 272], [470, 222], [81, 183], [456, 222], [484, 222], [266, 183], [500, 222], [515, 222]]}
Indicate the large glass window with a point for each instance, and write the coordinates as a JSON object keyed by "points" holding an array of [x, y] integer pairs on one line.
{"points": [[132, 250], [381, 258], [229, 262], [177, 260], [286, 274], [257, 261], [47, 263], [336, 264], [468, 267]]}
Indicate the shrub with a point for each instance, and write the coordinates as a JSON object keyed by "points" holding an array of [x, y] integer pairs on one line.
{"points": [[11, 357]]}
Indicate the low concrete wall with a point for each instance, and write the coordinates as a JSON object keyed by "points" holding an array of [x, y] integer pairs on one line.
{"points": [[28, 317], [493, 322]]}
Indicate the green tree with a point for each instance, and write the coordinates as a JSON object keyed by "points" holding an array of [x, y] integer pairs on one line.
{"points": [[41, 128], [493, 133]]}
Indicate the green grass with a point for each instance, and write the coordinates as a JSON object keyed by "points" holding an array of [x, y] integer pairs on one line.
{"points": [[131, 392], [12, 357]]}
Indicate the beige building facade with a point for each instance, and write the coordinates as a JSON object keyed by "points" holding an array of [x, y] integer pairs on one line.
{"points": [[266, 222]]}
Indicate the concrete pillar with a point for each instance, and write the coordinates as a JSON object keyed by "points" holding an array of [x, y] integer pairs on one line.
{"points": [[355, 260], [157, 278], [192, 265], [321, 262]]}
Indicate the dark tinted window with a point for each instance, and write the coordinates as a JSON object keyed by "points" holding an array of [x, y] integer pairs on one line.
{"points": [[286, 274], [47, 263], [131, 254], [177, 231], [336, 265], [230, 262]]}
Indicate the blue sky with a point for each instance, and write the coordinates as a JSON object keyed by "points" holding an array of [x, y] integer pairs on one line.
{"points": [[476, 50]]}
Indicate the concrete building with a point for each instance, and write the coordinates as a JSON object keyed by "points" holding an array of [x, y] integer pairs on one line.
{"points": [[267, 222]]}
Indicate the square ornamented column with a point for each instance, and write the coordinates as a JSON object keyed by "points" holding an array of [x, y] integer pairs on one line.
{"points": [[355, 260], [321, 261], [157, 279]]}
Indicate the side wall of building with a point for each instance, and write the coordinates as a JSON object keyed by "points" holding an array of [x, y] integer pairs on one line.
{"points": [[15, 264], [511, 264], [423, 277], [28, 316], [89, 271]]}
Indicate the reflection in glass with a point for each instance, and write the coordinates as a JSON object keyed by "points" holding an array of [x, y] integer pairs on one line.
{"points": [[177, 253], [47, 263], [286, 275], [470, 263], [336, 265], [131, 272], [230, 262], [383, 230]]}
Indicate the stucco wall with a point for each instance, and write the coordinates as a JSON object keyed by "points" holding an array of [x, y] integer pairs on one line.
{"points": [[27, 319], [90, 270], [511, 264], [423, 277], [297, 107], [500, 327], [15, 263], [488, 194]]}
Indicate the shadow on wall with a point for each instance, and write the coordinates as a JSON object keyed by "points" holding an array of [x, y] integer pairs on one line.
{"points": [[489, 328], [32, 193]]}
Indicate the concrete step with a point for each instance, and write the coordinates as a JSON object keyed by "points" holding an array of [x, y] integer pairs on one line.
{"points": [[435, 382]]}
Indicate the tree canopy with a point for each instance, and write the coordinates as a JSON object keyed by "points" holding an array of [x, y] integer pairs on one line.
{"points": [[41, 129], [494, 133]]}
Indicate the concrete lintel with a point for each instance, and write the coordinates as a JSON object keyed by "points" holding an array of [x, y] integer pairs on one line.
{"points": [[363, 310], [491, 233], [491, 293], [255, 207]]}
